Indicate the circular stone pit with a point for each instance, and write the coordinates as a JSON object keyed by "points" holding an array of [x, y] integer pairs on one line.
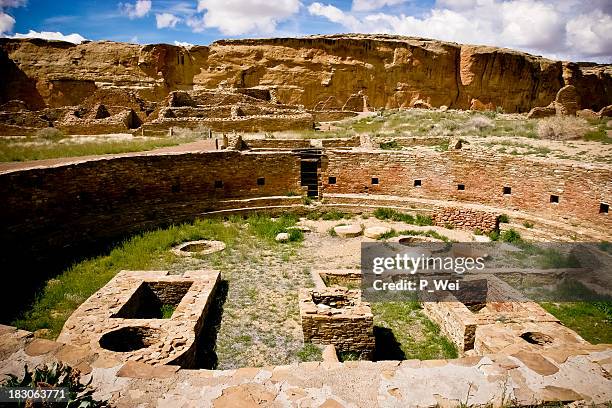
{"points": [[201, 247], [129, 338]]}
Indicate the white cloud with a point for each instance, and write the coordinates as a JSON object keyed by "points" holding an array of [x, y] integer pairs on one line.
{"points": [[369, 5], [137, 10], [183, 44], [12, 3], [235, 17], [334, 14], [48, 35], [6, 23], [591, 33], [166, 20], [564, 29]]}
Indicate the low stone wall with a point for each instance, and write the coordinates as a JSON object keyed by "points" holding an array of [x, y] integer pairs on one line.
{"points": [[493, 380], [118, 320], [350, 278], [277, 143], [262, 123], [354, 141], [337, 316], [466, 219]]}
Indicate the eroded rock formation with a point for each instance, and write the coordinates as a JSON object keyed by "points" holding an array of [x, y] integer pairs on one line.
{"points": [[334, 73]]}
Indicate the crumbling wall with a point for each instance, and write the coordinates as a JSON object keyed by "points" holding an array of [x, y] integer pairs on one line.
{"points": [[466, 219]]}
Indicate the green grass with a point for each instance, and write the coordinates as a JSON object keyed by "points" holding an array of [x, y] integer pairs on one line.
{"points": [[167, 310], [334, 215], [64, 293], [393, 215], [310, 352], [418, 337], [11, 151], [267, 228], [599, 134], [591, 320], [428, 233], [511, 236]]}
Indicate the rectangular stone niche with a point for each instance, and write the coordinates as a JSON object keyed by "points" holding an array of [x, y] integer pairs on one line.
{"points": [[337, 316], [150, 297]]}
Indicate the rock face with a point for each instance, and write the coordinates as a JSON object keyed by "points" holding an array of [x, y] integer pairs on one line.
{"points": [[356, 72]]}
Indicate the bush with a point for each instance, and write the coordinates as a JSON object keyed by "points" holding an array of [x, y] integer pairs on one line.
{"points": [[333, 215], [480, 122], [562, 128], [493, 235], [528, 224], [511, 236], [50, 133], [310, 352], [56, 375], [390, 145], [504, 219], [295, 235], [391, 214]]}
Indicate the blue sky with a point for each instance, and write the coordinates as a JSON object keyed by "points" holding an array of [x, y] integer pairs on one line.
{"points": [[562, 29]]}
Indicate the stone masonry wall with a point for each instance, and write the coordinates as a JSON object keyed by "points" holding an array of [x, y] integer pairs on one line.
{"points": [[53, 215], [466, 219], [580, 188], [347, 323]]}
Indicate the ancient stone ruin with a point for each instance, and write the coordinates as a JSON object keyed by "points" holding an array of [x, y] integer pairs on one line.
{"points": [[338, 317], [138, 338]]}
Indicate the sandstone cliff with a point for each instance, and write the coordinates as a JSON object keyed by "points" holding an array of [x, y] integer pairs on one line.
{"points": [[388, 71]]}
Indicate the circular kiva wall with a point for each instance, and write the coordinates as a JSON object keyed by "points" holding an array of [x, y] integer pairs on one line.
{"points": [[59, 212]]}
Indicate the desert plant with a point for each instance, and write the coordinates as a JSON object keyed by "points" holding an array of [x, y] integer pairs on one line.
{"points": [[50, 133], [480, 122], [504, 219], [562, 128], [56, 375], [390, 145], [511, 236]]}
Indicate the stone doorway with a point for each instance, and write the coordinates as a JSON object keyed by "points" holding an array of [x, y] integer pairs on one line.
{"points": [[310, 163]]}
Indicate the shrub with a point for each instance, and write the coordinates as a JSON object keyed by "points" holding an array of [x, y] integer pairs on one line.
{"points": [[56, 375], [493, 235], [480, 122], [307, 200], [511, 236], [504, 219], [313, 215], [423, 220], [333, 215], [478, 231], [310, 352], [528, 224], [295, 235], [562, 128], [390, 145], [50, 133]]}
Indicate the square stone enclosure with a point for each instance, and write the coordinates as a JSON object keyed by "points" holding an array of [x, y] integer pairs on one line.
{"points": [[337, 316]]}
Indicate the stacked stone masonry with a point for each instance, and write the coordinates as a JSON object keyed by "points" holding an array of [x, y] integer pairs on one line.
{"points": [[467, 219], [337, 316]]}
